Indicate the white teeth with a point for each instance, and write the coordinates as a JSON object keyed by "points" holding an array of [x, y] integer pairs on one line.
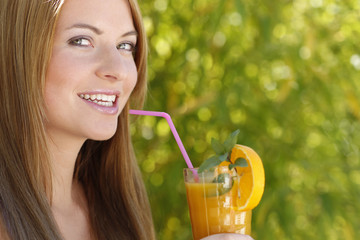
{"points": [[104, 98], [112, 98], [100, 99]]}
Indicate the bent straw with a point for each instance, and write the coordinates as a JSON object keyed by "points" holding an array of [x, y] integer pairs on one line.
{"points": [[172, 128]]}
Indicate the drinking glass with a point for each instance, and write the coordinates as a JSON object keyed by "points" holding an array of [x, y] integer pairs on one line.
{"points": [[213, 197]]}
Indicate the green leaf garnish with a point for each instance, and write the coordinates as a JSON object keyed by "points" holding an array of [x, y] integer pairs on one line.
{"points": [[223, 157], [221, 178], [223, 185], [209, 163], [231, 140], [217, 146], [240, 162], [223, 153]]}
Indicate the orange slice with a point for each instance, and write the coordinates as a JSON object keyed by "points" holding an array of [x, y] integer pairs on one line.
{"points": [[252, 177]]}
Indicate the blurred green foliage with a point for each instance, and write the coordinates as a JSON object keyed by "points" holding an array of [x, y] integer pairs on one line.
{"points": [[283, 72]]}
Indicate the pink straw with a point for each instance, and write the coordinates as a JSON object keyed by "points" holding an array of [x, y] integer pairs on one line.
{"points": [[172, 128]]}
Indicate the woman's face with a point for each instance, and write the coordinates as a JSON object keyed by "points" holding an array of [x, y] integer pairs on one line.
{"points": [[92, 72]]}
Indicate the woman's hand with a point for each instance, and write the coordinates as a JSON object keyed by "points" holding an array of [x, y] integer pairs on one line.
{"points": [[228, 236]]}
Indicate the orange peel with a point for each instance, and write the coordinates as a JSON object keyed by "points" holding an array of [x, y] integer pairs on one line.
{"points": [[252, 177]]}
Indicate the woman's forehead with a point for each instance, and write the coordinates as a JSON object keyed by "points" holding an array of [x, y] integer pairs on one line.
{"points": [[109, 14]]}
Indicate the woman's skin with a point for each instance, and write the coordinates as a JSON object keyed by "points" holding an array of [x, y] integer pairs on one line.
{"points": [[92, 59]]}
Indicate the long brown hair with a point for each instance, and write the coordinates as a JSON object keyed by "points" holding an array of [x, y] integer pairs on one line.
{"points": [[108, 171]]}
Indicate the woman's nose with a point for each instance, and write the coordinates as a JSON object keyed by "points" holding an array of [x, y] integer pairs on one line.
{"points": [[112, 65]]}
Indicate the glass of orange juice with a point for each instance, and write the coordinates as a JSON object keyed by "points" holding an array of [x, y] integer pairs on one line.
{"points": [[213, 199]]}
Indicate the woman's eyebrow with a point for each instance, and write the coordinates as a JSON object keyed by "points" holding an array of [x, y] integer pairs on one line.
{"points": [[86, 26], [98, 31], [133, 32]]}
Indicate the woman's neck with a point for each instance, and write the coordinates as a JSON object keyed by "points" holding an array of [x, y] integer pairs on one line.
{"points": [[68, 203], [63, 152]]}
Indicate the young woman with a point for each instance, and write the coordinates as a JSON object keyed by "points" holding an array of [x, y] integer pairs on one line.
{"points": [[69, 72]]}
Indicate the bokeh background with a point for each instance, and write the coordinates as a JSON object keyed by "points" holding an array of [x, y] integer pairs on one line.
{"points": [[286, 73]]}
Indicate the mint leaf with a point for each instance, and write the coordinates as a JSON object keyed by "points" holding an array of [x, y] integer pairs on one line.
{"points": [[223, 185], [217, 146], [240, 162], [223, 153], [209, 163], [223, 157], [221, 178], [231, 140], [228, 159]]}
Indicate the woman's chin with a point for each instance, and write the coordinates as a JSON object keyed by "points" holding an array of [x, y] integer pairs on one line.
{"points": [[102, 135]]}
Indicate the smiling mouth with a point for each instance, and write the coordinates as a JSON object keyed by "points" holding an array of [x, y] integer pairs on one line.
{"points": [[100, 99]]}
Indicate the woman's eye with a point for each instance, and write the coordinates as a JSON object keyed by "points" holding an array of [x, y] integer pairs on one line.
{"points": [[127, 47], [83, 42]]}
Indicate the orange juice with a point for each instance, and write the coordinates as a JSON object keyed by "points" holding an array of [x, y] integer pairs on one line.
{"points": [[213, 208]]}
